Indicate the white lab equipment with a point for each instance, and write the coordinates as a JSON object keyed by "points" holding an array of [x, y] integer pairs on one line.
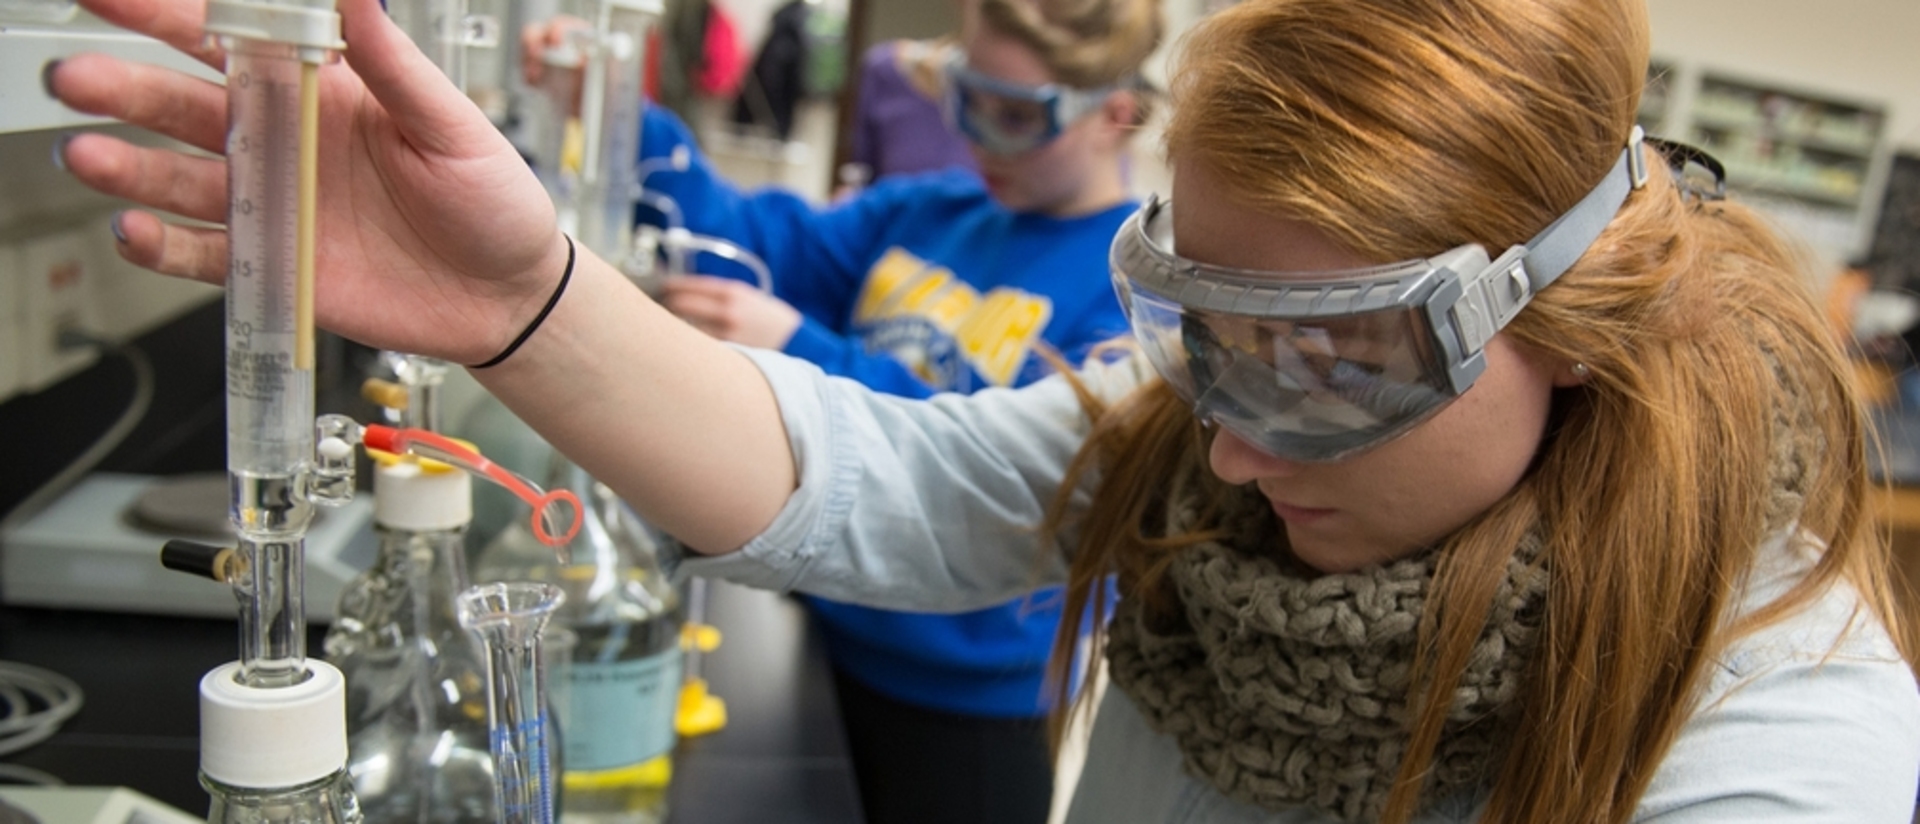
{"points": [[273, 744], [273, 90], [675, 245], [412, 400], [445, 30], [92, 548], [600, 66], [275, 755], [414, 676], [425, 509]]}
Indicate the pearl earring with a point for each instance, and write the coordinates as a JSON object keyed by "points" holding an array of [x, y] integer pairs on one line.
{"points": [[1581, 371]]}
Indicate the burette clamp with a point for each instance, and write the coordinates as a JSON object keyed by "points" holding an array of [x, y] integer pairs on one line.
{"points": [[313, 27]]}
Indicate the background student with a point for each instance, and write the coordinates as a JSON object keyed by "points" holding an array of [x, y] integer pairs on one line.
{"points": [[948, 281]]}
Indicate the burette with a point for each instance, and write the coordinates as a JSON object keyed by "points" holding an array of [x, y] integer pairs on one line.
{"points": [[444, 30], [595, 188], [274, 53]]}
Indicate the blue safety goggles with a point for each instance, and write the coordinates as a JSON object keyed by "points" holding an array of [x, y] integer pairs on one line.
{"points": [[1007, 118]]}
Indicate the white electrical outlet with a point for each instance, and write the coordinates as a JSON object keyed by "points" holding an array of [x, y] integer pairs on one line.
{"points": [[58, 296], [13, 355]]}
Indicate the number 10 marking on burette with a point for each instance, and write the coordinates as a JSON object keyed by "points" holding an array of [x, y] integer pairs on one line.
{"points": [[261, 210]]}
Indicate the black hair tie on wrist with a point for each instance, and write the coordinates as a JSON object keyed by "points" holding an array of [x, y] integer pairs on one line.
{"points": [[537, 319]]}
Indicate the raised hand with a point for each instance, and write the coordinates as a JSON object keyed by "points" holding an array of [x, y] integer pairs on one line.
{"points": [[434, 236]]}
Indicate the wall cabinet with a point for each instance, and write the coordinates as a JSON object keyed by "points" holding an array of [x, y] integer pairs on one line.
{"points": [[1816, 161], [33, 32]]}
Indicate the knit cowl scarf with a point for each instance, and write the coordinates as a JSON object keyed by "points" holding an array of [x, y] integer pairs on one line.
{"points": [[1288, 689]]}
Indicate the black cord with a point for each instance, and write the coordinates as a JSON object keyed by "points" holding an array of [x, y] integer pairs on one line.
{"points": [[537, 319]]}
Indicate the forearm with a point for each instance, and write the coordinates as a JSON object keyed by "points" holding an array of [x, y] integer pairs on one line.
{"points": [[682, 427]]}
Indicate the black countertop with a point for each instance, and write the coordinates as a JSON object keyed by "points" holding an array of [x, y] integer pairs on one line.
{"points": [[781, 757]]}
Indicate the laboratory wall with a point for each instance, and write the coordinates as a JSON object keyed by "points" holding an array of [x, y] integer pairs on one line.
{"points": [[1862, 48], [1855, 48], [1837, 103]]}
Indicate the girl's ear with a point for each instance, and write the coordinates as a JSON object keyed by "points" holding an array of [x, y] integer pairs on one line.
{"points": [[1568, 374], [1122, 109]]}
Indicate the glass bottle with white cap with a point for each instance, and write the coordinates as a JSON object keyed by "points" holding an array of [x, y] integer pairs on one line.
{"points": [[416, 680], [276, 755]]}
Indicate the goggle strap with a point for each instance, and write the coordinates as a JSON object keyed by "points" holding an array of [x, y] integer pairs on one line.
{"points": [[1501, 290], [1552, 252]]}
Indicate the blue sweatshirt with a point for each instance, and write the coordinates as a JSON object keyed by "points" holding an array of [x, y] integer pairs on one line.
{"points": [[917, 285]]}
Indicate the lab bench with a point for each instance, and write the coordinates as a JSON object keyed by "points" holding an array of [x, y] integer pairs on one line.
{"points": [[781, 757]]}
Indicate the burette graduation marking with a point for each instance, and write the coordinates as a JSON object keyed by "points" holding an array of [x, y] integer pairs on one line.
{"points": [[263, 219]]}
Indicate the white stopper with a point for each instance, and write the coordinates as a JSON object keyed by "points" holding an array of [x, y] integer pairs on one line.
{"points": [[410, 498], [267, 737], [334, 449]]}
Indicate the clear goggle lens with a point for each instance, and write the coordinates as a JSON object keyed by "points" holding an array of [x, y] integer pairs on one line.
{"points": [[1317, 389]]}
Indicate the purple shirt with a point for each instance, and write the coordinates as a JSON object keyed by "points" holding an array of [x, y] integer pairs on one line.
{"points": [[897, 129]]}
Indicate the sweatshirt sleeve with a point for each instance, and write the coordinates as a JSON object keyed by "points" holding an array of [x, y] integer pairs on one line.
{"points": [[1813, 719], [815, 255], [818, 256], [843, 355], [926, 505]]}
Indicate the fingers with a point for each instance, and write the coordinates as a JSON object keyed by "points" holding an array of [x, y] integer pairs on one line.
{"points": [[703, 300], [181, 251], [177, 105], [537, 38], [703, 285], [425, 105], [194, 187], [178, 23], [700, 303]]}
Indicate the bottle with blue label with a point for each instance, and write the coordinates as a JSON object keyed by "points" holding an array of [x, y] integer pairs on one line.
{"points": [[620, 687]]}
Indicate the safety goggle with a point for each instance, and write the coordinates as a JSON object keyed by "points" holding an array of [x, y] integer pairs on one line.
{"points": [[1007, 118], [1319, 366]]}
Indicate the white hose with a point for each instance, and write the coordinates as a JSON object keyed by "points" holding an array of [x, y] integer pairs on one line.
{"points": [[685, 240], [33, 704]]}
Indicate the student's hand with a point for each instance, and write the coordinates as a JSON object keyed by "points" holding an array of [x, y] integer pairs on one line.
{"points": [[731, 310], [537, 38], [433, 235]]}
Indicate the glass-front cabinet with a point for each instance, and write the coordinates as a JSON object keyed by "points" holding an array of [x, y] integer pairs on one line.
{"points": [[1816, 161]]}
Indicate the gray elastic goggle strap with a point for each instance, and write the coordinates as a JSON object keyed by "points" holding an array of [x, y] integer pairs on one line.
{"points": [[1505, 286]]}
